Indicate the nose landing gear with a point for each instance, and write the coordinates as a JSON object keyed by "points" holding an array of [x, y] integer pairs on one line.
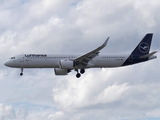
{"points": [[21, 72]]}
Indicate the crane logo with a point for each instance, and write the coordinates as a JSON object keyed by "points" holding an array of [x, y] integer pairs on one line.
{"points": [[144, 47]]}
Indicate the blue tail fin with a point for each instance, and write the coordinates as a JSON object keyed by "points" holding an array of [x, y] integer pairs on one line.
{"points": [[142, 49], [144, 46]]}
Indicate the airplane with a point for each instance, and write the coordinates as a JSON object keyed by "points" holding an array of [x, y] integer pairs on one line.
{"points": [[64, 63]]}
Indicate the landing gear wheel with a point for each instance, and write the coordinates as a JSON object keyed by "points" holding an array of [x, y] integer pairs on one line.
{"points": [[21, 74], [78, 75], [82, 71]]}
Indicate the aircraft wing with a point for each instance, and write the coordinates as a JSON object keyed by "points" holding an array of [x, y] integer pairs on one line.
{"points": [[84, 59]]}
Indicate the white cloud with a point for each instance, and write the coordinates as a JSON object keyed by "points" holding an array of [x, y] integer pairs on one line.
{"points": [[146, 10], [22, 114], [7, 41], [112, 93], [154, 113], [91, 90], [7, 112], [58, 116]]}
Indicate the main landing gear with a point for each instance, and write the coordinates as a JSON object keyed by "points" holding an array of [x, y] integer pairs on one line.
{"points": [[78, 75], [21, 72]]}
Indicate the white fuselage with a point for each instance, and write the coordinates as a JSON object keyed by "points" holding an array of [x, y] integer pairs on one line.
{"points": [[64, 63], [52, 60]]}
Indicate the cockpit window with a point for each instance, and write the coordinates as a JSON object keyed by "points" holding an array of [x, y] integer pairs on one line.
{"points": [[12, 57]]}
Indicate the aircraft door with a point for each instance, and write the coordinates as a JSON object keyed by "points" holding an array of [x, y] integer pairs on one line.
{"points": [[23, 61], [21, 58]]}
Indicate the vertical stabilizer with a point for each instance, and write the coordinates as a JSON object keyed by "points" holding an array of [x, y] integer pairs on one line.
{"points": [[144, 46], [142, 49]]}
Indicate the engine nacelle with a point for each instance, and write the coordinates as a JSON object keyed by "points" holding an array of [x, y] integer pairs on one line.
{"points": [[59, 71], [66, 64]]}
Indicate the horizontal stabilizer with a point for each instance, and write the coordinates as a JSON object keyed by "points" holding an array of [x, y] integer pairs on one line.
{"points": [[148, 55]]}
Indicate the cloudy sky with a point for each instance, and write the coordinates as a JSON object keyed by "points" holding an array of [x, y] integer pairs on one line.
{"points": [[78, 26]]}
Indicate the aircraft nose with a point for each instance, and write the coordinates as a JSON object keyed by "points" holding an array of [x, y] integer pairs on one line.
{"points": [[7, 63]]}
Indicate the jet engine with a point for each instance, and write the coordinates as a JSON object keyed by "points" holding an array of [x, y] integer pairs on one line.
{"points": [[59, 71], [66, 64]]}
